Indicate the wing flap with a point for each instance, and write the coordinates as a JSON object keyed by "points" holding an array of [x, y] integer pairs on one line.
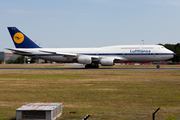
{"points": [[120, 59]]}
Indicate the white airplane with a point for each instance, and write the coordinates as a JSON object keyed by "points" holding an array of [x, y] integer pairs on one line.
{"points": [[90, 57]]}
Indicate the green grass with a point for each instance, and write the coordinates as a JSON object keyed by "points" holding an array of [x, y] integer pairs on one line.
{"points": [[107, 95]]}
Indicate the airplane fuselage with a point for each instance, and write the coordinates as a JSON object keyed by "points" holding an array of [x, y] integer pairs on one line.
{"points": [[129, 53]]}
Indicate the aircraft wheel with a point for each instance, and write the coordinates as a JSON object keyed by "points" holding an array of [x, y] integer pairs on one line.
{"points": [[158, 66], [96, 66], [92, 66], [88, 66]]}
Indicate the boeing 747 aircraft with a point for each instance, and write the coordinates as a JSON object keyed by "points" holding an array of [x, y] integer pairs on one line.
{"points": [[90, 57]]}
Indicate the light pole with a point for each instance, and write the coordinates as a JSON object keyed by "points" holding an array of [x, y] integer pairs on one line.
{"points": [[142, 41]]}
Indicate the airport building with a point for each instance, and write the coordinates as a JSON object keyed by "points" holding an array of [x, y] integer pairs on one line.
{"points": [[4, 56], [39, 111]]}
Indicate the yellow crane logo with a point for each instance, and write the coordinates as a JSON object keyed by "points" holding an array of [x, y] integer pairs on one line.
{"points": [[18, 38]]}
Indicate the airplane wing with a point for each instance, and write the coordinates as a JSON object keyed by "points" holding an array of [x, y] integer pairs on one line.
{"points": [[59, 53], [67, 54], [77, 55], [18, 51]]}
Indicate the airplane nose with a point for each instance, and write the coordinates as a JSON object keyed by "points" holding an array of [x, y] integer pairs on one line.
{"points": [[174, 53], [171, 52]]}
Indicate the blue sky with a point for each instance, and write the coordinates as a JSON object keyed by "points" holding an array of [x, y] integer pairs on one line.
{"points": [[91, 23]]}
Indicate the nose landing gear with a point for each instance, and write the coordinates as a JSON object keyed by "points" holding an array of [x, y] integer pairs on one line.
{"points": [[158, 66]]}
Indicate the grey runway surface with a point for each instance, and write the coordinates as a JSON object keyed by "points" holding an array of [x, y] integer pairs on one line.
{"points": [[82, 68]]}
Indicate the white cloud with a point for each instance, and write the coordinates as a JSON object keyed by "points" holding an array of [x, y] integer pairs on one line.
{"points": [[166, 2], [174, 3], [55, 19], [53, 12], [17, 11], [100, 1]]}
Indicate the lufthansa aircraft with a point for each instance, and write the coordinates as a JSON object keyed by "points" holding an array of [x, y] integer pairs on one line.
{"points": [[90, 57]]}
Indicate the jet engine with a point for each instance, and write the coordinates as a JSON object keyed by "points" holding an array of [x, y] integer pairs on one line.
{"points": [[107, 62], [84, 59]]}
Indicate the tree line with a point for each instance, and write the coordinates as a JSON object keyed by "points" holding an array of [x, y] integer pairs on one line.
{"points": [[20, 60]]}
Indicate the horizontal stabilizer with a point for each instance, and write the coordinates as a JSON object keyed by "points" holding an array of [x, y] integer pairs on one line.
{"points": [[18, 51]]}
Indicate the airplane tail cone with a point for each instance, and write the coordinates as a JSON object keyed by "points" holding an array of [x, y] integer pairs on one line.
{"points": [[21, 40]]}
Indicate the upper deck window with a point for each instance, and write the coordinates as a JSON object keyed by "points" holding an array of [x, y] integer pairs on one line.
{"points": [[147, 47], [130, 48]]}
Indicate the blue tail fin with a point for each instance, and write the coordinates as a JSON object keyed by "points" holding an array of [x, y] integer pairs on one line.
{"points": [[21, 40]]}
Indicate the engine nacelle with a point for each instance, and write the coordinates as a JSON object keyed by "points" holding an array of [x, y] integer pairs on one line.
{"points": [[84, 59], [107, 62]]}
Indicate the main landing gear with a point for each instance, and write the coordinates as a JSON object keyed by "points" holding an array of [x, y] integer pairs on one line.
{"points": [[158, 66], [93, 65]]}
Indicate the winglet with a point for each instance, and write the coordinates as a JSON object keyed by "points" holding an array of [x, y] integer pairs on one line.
{"points": [[21, 40]]}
